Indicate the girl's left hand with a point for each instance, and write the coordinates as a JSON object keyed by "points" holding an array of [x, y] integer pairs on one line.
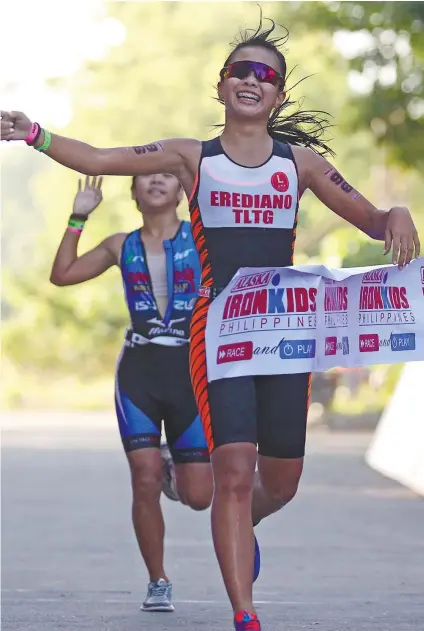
{"points": [[401, 237], [89, 197]]}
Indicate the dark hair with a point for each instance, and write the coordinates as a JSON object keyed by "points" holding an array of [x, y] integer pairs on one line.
{"points": [[301, 127], [132, 189]]}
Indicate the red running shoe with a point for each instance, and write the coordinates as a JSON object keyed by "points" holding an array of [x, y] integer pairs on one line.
{"points": [[245, 621]]}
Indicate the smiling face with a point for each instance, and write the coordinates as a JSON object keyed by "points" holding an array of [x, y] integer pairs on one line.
{"points": [[249, 97], [156, 193]]}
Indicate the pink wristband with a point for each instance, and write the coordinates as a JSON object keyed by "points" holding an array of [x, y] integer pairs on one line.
{"points": [[75, 230], [35, 127]]}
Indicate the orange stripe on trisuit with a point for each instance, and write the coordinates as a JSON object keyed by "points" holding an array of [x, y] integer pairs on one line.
{"points": [[196, 364], [193, 190]]}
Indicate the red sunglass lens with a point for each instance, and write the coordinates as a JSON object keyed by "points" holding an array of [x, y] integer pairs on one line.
{"points": [[242, 69]]}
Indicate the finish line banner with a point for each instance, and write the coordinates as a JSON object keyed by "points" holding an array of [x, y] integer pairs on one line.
{"points": [[309, 318]]}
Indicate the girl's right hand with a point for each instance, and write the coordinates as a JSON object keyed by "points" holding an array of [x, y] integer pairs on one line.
{"points": [[14, 125], [89, 197]]}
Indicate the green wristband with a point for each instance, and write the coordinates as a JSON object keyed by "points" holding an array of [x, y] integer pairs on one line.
{"points": [[47, 141], [76, 224]]}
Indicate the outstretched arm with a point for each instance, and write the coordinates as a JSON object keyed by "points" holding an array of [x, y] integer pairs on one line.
{"points": [[167, 156], [68, 267], [395, 227]]}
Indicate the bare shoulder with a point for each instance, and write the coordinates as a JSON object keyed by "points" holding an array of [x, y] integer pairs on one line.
{"points": [[190, 150], [186, 146], [113, 245], [304, 154]]}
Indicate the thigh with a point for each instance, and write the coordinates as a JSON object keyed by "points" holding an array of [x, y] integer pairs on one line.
{"points": [[283, 402], [184, 430], [139, 413], [183, 427], [193, 475], [233, 411], [227, 407]]}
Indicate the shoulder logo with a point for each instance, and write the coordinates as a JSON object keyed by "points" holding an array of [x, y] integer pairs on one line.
{"points": [[133, 258], [179, 256]]}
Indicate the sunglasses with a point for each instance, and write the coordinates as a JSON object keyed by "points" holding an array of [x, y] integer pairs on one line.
{"points": [[242, 69]]}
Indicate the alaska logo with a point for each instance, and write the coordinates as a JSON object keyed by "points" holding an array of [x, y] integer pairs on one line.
{"points": [[375, 277], [259, 279]]}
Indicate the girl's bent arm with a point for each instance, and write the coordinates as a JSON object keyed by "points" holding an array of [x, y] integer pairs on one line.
{"points": [[71, 269]]}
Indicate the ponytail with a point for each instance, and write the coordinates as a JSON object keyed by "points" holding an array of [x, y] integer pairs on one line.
{"points": [[303, 128]]}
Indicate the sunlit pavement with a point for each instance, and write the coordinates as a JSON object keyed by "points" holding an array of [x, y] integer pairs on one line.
{"points": [[347, 554]]}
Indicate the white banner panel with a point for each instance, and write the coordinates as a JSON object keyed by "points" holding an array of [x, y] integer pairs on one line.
{"points": [[307, 318]]}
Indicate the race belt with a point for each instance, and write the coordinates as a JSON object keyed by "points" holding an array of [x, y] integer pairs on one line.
{"points": [[132, 338], [135, 338]]}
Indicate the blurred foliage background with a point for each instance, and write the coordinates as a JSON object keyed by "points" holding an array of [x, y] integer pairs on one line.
{"points": [[365, 61]]}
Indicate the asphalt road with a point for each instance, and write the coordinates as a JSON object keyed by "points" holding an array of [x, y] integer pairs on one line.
{"points": [[346, 555]]}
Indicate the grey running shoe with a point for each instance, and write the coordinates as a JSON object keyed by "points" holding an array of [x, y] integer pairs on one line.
{"points": [[169, 482], [159, 596]]}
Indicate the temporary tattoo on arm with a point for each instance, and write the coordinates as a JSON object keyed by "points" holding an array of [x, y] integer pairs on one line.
{"points": [[338, 180], [156, 146]]}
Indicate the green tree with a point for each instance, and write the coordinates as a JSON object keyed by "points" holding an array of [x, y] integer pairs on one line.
{"points": [[384, 43]]}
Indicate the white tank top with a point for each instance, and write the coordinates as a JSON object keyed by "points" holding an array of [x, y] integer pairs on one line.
{"points": [[158, 278]]}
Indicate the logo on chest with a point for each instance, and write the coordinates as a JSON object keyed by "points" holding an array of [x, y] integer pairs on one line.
{"points": [[259, 208], [138, 282], [184, 281], [280, 182]]}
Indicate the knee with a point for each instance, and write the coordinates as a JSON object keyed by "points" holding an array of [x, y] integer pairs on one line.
{"points": [[282, 493], [234, 480], [146, 484], [194, 485], [285, 493], [233, 471], [197, 499]]}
